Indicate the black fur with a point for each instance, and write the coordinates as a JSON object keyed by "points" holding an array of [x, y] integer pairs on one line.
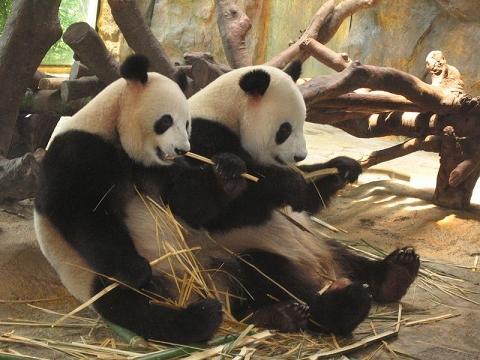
{"points": [[255, 82], [83, 182], [134, 311], [135, 67], [163, 124], [294, 69], [278, 186], [339, 310]]}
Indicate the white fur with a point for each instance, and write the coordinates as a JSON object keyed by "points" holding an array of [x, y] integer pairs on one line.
{"points": [[128, 109], [256, 119], [63, 258], [278, 236]]}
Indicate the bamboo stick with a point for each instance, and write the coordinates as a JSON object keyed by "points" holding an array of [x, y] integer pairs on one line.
{"points": [[209, 161]]}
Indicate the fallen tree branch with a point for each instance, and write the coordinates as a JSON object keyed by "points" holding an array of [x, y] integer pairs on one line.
{"points": [[233, 25], [325, 55], [87, 86], [18, 176], [92, 52], [31, 29], [430, 143], [293, 51], [50, 102], [139, 37], [356, 76], [50, 83]]}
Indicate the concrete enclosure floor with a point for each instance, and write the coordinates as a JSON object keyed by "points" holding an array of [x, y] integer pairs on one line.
{"points": [[375, 213]]}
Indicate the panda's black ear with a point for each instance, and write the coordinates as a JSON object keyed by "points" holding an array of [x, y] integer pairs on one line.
{"points": [[135, 67], [255, 82], [181, 80], [294, 69]]}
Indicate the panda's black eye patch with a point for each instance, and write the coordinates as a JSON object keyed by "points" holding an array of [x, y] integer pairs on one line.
{"points": [[283, 133], [162, 124]]}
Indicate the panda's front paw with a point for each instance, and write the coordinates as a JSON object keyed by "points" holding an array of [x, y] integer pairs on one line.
{"points": [[348, 168], [228, 169]]}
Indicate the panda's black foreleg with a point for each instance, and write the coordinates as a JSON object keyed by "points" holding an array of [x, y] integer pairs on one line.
{"points": [[136, 312], [389, 278], [320, 191]]}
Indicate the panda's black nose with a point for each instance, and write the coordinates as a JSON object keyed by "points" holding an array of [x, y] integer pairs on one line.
{"points": [[180, 151], [298, 158]]}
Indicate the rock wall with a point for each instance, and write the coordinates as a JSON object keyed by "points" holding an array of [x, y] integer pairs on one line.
{"points": [[398, 33]]}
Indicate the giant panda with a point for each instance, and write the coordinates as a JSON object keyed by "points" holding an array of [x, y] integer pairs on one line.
{"points": [[133, 129], [251, 120]]}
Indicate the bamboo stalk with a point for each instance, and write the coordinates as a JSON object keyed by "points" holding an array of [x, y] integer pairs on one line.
{"points": [[431, 319], [355, 346], [209, 161]]}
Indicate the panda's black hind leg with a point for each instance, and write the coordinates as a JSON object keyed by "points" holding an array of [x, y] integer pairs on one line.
{"points": [[389, 278], [136, 312], [340, 311]]}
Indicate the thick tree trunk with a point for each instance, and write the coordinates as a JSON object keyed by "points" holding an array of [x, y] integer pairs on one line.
{"points": [[91, 50], [324, 24], [459, 170], [139, 37], [32, 28]]}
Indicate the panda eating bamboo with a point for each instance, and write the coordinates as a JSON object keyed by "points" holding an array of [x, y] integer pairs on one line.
{"points": [[92, 226]]}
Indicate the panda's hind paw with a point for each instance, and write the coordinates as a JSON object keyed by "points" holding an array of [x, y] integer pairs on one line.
{"points": [[400, 270], [285, 316]]}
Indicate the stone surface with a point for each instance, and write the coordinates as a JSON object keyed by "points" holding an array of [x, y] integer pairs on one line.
{"points": [[396, 33], [401, 33]]}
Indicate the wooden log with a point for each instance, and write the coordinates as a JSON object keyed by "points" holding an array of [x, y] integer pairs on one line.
{"points": [[91, 50], [39, 75], [79, 70], [50, 102], [87, 86], [31, 29], [325, 55], [52, 83], [367, 102], [234, 26], [139, 37]]}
